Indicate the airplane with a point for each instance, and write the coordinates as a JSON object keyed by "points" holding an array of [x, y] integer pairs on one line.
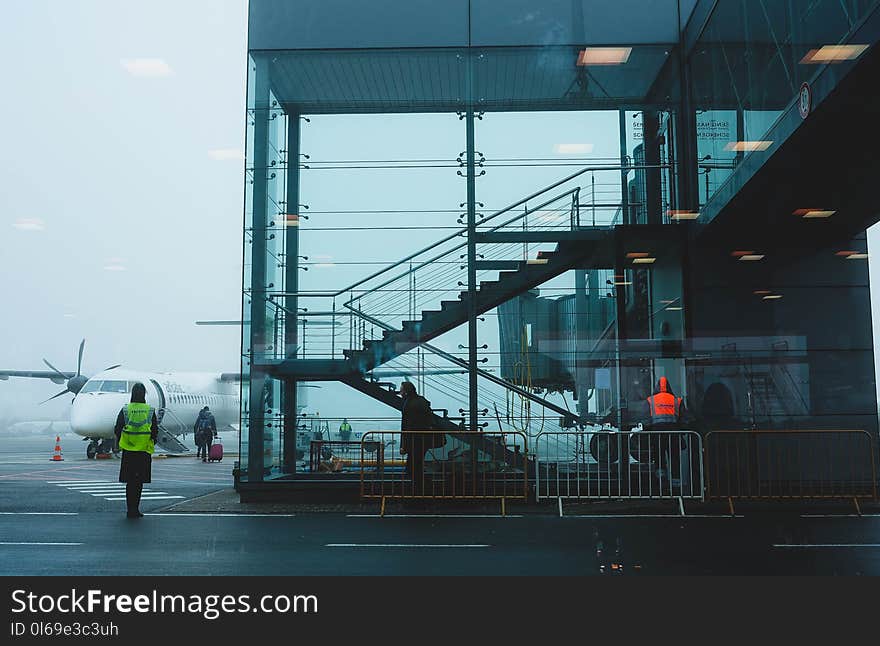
{"points": [[177, 397]]}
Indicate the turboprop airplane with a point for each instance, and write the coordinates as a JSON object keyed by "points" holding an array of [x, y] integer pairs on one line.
{"points": [[177, 397]]}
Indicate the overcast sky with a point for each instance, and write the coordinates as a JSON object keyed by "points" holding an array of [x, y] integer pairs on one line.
{"points": [[122, 184]]}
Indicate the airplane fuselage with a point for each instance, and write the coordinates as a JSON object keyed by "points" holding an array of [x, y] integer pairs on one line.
{"points": [[181, 395]]}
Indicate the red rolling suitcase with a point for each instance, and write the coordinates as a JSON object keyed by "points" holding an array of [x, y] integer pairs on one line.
{"points": [[215, 453]]}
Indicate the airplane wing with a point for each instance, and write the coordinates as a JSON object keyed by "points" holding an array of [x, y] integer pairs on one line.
{"points": [[37, 374]]}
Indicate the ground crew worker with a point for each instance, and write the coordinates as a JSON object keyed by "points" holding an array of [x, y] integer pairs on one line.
{"points": [[136, 431], [665, 412], [664, 408], [344, 430]]}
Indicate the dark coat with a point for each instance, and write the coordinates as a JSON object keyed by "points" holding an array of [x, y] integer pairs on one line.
{"points": [[417, 416]]}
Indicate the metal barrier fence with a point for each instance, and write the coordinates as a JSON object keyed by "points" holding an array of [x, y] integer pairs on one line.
{"points": [[587, 465], [457, 466], [782, 464]]}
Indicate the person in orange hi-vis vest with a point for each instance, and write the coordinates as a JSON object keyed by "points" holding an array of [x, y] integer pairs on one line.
{"points": [[664, 408]]}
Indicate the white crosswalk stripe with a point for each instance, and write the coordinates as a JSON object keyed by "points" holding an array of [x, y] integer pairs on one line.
{"points": [[109, 490]]}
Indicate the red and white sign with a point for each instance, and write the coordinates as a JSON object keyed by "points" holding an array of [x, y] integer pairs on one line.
{"points": [[805, 100]]}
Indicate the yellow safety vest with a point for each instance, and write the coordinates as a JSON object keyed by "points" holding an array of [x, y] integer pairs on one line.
{"points": [[137, 430]]}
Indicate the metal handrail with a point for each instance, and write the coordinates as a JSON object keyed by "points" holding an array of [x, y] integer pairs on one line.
{"points": [[573, 191], [627, 167]]}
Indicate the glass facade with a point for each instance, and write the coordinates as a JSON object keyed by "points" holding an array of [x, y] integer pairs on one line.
{"points": [[529, 210]]}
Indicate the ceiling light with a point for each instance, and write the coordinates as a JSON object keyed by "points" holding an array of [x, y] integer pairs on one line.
{"points": [[674, 308], [669, 301], [754, 256], [622, 282], [570, 149], [684, 215], [604, 55], [814, 213], [760, 292], [747, 146], [772, 297], [833, 54], [643, 261], [637, 254], [857, 256]]}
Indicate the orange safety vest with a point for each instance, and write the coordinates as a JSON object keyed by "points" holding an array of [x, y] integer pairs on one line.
{"points": [[663, 406]]}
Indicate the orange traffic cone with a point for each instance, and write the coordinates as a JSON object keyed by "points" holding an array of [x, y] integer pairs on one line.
{"points": [[56, 457]]}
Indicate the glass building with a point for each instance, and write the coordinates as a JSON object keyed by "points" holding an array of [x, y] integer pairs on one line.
{"points": [[534, 209]]}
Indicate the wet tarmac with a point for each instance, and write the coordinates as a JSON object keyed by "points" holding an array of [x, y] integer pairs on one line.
{"points": [[68, 518]]}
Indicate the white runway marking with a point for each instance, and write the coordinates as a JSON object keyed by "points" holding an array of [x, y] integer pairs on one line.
{"points": [[432, 516], [110, 490], [146, 498], [677, 516], [171, 514], [840, 516], [39, 513], [4, 543], [832, 545], [397, 545]]}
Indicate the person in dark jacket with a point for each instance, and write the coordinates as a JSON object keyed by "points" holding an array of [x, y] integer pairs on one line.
{"points": [[416, 416], [137, 429]]}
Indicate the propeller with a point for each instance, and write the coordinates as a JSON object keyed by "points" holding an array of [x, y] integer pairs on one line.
{"points": [[75, 383]]}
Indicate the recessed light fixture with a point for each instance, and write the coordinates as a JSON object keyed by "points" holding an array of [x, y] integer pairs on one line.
{"points": [[674, 308], [857, 256], [637, 254], [814, 213], [572, 149], [604, 56], [833, 54], [753, 256], [683, 215], [747, 146], [643, 261], [761, 292], [772, 297]]}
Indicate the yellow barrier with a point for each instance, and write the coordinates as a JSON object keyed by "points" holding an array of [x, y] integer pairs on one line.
{"points": [[790, 464], [444, 466]]}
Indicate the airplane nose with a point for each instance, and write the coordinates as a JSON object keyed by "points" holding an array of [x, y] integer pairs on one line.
{"points": [[94, 415]]}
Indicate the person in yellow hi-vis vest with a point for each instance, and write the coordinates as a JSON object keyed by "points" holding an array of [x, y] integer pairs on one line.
{"points": [[136, 431]]}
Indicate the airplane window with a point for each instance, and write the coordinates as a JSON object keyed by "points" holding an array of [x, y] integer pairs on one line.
{"points": [[91, 386], [114, 387]]}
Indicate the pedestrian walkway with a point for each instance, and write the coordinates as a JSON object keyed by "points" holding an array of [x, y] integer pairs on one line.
{"points": [[110, 490]]}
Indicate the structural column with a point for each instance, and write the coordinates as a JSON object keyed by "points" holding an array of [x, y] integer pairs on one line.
{"points": [[291, 282], [258, 320], [472, 270]]}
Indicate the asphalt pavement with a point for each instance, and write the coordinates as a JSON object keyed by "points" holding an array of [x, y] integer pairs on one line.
{"points": [[68, 518]]}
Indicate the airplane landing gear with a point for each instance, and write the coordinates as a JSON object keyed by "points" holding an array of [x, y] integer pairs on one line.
{"points": [[92, 450], [106, 446]]}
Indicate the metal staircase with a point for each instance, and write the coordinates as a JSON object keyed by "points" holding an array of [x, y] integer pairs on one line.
{"points": [[526, 275]]}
